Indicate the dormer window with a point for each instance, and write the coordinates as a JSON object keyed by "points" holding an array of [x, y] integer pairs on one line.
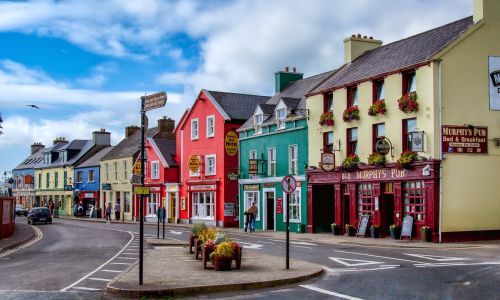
{"points": [[280, 116], [46, 158], [259, 119]]}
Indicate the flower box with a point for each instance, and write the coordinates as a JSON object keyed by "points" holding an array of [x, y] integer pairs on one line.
{"points": [[378, 107], [351, 113], [406, 158], [408, 103], [326, 119], [377, 159], [335, 229], [350, 162]]}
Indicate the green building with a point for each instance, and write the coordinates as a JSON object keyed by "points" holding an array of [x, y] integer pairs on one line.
{"points": [[273, 144]]}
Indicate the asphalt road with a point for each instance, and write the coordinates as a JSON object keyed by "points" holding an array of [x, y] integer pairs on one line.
{"points": [[75, 260]]}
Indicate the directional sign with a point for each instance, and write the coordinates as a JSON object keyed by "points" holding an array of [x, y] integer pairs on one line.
{"points": [[140, 190], [289, 184], [154, 101]]}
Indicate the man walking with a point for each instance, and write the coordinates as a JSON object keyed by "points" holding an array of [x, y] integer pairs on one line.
{"points": [[117, 210], [254, 210]]}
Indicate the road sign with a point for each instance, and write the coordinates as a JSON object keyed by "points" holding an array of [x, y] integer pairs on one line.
{"points": [[288, 184], [154, 101], [141, 190]]}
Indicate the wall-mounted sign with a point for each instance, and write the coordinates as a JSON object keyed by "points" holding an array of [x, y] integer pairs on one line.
{"points": [[376, 174], [279, 205], [494, 81], [253, 166], [155, 188], [228, 209], [269, 185], [68, 187], [383, 146], [233, 176], [251, 187], [231, 143], [88, 195], [416, 141], [327, 161], [464, 139], [202, 187], [137, 167], [106, 186], [194, 163], [141, 190]]}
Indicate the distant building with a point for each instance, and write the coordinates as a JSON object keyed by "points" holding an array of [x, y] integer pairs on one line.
{"points": [[23, 188]]}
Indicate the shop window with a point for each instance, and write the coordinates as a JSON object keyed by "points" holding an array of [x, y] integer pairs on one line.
{"points": [[352, 141], [280, 117], [126, 202], [378, 90], [328, 102], [79, 176], [414, 200], [409, 125], [251, 197], [210, 126], [210, 164], [378, 132], [409, 82], [271, 162], [155, 170], [352, 96], [153, 203], [91, 176], [203, 205], [293, 159], [328, 141], [194, 129], [366, 201], [295, 209]]}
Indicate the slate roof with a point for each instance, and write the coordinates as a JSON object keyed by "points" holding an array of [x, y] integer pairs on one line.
{"points": [[94, 160], [237, 106], [129, 146], [31, 161], [167, 150], [398, 55]]}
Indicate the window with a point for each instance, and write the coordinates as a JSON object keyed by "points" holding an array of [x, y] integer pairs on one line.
{"points": [[253, 154], [378, 90], [46, 158], [65, 156], [203, 205], [293, 160], [194, 129], [126, 202], [56, 179], [328, 141], [271, 162], [409, 125], [280, 116], [115, 170], [125, 175], [155, 170], [251, 197], [414, 200], [194, 174], [79, 176], [47, 178], [153, 202], [328, 102], [409, 83], [210, 126], [91, 176], [65, 177], [352, 96], [352, 141], [378, 132], [366, 203], [295, 209], [258, 119], [106, 171], [210, 164]]}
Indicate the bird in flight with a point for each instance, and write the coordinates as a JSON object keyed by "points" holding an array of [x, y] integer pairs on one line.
{"points": [[33, 105]]}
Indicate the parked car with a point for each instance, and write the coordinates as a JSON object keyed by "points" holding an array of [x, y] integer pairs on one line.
{"points": [[21, 210], [39, 215]]}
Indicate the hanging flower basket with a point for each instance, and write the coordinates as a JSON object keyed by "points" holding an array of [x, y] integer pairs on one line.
{"points": [[408, 103], [350, 162], [406, 158], [377, 108], [377, 159], [326, 119], [351, 113]]}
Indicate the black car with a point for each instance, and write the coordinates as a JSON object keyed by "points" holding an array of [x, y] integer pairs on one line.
{"points": [[21, 210], [39, 215]]}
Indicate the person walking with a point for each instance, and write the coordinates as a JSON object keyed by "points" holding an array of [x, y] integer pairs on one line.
{"points": [[108, 212], [254, 210], [117, 210], [248, 219]]}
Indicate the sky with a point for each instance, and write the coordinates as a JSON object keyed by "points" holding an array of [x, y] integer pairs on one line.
{"points": [[86, 63]]}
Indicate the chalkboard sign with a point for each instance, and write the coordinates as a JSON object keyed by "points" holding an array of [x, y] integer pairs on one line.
{"points": [[407, 227], [363, 223]]}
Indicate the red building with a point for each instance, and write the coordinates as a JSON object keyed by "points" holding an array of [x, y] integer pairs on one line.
{"points": [[207, 147]]}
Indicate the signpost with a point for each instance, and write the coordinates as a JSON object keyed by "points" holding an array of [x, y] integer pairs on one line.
{"points": [[288, 184], [147, 103]]}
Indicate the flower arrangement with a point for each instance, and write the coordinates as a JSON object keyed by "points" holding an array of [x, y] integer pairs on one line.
{"points": [[350, 162], [225, 249], [406, 158], [408, 103], [210, 245], [207, 234], [351, 113], [377, 108], [425, 229], [196, 229], [326, 119], [377, 159]]}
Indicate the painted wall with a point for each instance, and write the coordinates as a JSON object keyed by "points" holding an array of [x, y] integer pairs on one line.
{"points": [[87, 185], [55, 189]]}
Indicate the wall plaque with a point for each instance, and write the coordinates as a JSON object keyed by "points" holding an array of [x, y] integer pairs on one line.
{"points": [[464, 139]]}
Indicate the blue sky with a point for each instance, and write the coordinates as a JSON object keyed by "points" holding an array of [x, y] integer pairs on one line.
{"points": [[86, 63]]}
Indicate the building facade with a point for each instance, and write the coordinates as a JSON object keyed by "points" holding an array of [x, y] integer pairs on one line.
{"points": [[23, 188]]}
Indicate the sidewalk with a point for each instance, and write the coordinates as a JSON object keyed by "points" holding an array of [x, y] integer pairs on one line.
{"points": [[22, 233], [173, 271]]}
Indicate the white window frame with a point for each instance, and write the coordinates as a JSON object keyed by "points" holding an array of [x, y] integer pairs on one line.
{"points": [[193, 136], [212, 119], [155, 173], [252, 154], [281, 122], [196, 204], [298, 194], [293, 163], [115, 170], [197, 174], [124, 163], [251, 196], [153, 205], [271, 160], [259, 119], [208, 166]]}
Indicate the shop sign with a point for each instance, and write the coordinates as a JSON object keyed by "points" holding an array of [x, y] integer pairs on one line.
{"points": [[141, 190], [253, 166], [383, 146], [231, 143], [202, 187], [88, 195], [68, 187], [327, 161], [279, 205], [233, 176], [106, 186], [228, 209], [417, 141], [251, 187], [494, 81], [137, 167], [376, 174], [269, 185], [464, 139], [194, 163], [155, 188]]}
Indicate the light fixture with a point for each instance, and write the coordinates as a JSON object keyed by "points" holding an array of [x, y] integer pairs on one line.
{"points": [[303, 111]]}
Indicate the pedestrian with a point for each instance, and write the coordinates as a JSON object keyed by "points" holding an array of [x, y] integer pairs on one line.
{"points": [[248, 219], [80, 209], [51, 208], [108, 212], [254, 210], [117, 210]]}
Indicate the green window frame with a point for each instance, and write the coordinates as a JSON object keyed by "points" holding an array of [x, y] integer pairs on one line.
{"points": [[65, 177], [40, 180], [56, 180]]}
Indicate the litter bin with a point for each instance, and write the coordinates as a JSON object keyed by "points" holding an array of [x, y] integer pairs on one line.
{"points": [[99, 213]]}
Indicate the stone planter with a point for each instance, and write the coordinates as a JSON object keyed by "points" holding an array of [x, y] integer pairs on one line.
{"points": [[222, 263]]}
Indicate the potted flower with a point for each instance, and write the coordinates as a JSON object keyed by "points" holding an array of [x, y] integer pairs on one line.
{"points": [[426, 234], [375, 231], [351, 113], [223, 256], [326, 119], [196, 229], [350, 230], [350, 162], [395, 231], [378, 107], [377, 159], [406, 158], [335, 228], [203, 236], [408, 103]]}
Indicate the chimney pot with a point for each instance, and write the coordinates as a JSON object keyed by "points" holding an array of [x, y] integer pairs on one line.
{"points": [[286, 69], [294, 70], [353, 35]]}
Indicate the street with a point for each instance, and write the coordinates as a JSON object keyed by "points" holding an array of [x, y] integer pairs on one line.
{"points": [[75, 260]]}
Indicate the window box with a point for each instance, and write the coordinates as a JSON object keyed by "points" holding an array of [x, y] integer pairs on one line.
{"points": [[350, 162], [408, 103], [406, 158], [378, 107], [351, 113], [377, 159], [326, 119]]}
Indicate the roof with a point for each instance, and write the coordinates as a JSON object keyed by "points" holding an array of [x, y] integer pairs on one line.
{"points": [[267, 109], [235, 106], [31, 161], [94, 160], [166, 150], [405, 53], [129, 146], [74, 145]]}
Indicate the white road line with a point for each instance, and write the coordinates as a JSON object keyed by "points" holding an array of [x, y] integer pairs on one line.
{"points": [[357, 262], [85, 288], [390, 266], [265, 242], [38, 237], [129, 253], [436, 257], [111, 271], [100, 279], [115, 263], [296, 246], [121, 257], [371, 255], [430, 265], [355, 270], [319, 290], [101, 266], [277, 240]]}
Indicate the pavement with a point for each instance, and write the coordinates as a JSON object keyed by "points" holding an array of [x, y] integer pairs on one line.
{"points": [[22, 234], [173, 271]]}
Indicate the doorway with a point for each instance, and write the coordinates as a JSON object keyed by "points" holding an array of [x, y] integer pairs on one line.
{"points": [[346, 210], [269, 196], [171, 206], [387, 213], [323, 202]]}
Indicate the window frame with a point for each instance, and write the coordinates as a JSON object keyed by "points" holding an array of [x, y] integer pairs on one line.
{"points": [[297, 194], [405, 133], [375, 134], [281, 120], [155, 172], [413, 198], [350, 142], [248, 201], [406, 89], [115, 170], [195, 121], [326, 146], [210, 118], [328, 104], [293, 163], [124, 164], [271, 160], [91, 176], [106, 172], [207, 166], [365, 200], [352, 96], [376, 90], [210, 205], [79, 177]]}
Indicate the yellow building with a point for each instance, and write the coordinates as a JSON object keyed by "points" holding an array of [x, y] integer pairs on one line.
{"points": [[435, 93]]}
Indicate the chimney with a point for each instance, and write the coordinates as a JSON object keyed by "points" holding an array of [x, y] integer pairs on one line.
{"points": [[166, 128], [485, 9], [283, 78], [36, 147], [355, 45], [129, 130], [59, 140], [101, 137]]}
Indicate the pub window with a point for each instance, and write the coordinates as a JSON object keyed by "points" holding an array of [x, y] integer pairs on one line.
{"points": [[409, 125], [366, 201], [409, 82], [378, 90], [352, 141], [328, 141], [328, 102], [414, 199], [378, 132], [352, 96], [271, 158]]}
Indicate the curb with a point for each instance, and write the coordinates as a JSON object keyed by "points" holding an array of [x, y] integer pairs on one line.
{"points": [[17, 244]]}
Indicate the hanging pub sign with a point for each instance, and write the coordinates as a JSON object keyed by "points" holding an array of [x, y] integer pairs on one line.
{"points": [[194, 163], [327, 161], [464, 139], [233, 176], [231, 143], [137, 167], [416, 139], [253, 166], [494, 82], [383, 146]]}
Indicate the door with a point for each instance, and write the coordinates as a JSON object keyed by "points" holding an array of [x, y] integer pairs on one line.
{"points": [[387, 213], [270, 210], [171, 217], [346, 211], [323, 201]]}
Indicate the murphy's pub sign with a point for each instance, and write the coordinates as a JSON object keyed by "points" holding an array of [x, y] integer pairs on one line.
{"points": [[464, 139]]}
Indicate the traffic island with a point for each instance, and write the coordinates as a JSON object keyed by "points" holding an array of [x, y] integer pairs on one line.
{"points": [[173, 271]]}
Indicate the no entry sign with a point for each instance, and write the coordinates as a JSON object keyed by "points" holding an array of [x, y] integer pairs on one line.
{"points": [[288, 184]]}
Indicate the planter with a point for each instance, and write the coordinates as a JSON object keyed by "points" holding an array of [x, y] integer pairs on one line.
{"points": [[335, 230], [197, 247], [205, 256], [237, 256], [395, 233], [375, 232], [222, 263], [426, 236], [191, 243], [350, 231]]}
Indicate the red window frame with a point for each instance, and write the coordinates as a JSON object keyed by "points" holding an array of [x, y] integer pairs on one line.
{"points": [[326, 100], [406, 75], [366, 200], [327, 147], [404, 137], [375, 89], [375, 135], [414, 200], [351, 144], [350, 93]]}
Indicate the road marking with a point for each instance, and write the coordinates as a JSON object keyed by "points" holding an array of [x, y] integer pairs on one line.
{"points": [[121, 257], [303, 243], [305, 247], [429, 265], [101, 266], [394, 266], [115, 263], [38, 237], [133, 246], [358, 262], [356, 270], [378, 256], [85, 288], [274, 240], [129, 253], [264, 242], [100, 279], [319, 290], [111, 271], [175, 232], [436, 257]]}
